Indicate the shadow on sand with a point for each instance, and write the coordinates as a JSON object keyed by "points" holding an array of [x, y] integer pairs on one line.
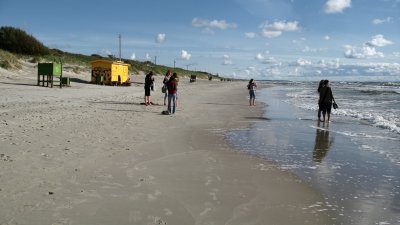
{"points": [[20, 84]]}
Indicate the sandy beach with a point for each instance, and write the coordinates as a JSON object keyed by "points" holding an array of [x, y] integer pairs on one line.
{"points": [[90, 154]]}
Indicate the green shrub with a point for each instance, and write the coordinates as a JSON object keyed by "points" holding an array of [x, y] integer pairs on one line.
{"points": [[9, 61]]}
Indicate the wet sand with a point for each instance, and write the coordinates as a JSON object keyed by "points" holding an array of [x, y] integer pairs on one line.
{"points": [[91, 154], [359, 184]]}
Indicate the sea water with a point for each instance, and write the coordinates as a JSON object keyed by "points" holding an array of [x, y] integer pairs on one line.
{"points": [[354, 161]]}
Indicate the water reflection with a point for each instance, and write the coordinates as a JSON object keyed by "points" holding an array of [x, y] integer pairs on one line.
{"points": [[322, 142]]}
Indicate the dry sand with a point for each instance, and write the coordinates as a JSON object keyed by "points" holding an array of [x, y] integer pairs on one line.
{"points": [[91, 154]]}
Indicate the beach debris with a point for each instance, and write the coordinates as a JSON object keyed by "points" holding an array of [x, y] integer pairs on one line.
{"points": [[5, 158], [159, 221], [51, 193]]}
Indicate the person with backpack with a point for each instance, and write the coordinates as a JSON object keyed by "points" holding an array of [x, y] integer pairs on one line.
{"points": [[252, 86], [148, 83]]}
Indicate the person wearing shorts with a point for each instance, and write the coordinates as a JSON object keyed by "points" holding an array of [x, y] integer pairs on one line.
{"points": [[252, 86]]}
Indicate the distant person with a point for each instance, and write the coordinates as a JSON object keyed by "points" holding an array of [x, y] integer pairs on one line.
{"points": [[177, 82], [148, 83], [321, 84], [325, 100], [252, 86], [171, 85], [165, 81]]}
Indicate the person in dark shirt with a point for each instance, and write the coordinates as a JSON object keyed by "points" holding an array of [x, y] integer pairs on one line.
{"points": [[165, 81], [325, 100], [252, 86], [321, 84], [148, 83]]}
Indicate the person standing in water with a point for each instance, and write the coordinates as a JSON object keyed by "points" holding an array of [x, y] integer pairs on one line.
{"points": [[321, 84], [252, 86], [325, 100]]}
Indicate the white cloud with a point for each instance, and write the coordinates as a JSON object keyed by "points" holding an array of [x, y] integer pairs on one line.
{"points": [[260, 57], [133, 56], [266, 60], [213, 24], [336, 6], [380, 21], [227, 60], [160, 38], [308, 49], [105, 52], [271, 30], [271, 34], [147, 57], [327, 38], [250, 34], [362, 53], [303, 62], [185, 55], [368, 50], [379, 41]]}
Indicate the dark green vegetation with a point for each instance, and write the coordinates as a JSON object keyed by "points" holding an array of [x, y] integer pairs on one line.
{"points": [[16, 44]]}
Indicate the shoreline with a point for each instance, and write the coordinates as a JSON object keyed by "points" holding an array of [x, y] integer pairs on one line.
{"points": [[327, 156], [89, 154]]}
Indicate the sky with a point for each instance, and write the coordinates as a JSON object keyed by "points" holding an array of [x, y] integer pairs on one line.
{"points": [[349, 40]]}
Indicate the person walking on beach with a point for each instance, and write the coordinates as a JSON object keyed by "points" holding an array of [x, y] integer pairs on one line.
{"points": [[148, 83], [252, 86], [321, 84], [165, 81], [171, 85], [325, 100]]}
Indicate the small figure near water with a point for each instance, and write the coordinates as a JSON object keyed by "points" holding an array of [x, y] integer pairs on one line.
{"points": [[252, 86], [325, 100]]}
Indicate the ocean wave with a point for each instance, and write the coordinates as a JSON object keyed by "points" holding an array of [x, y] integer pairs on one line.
{"points": [[380, 92]]}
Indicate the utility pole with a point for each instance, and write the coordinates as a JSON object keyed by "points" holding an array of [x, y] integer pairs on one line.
{"points": [[119, 37]]}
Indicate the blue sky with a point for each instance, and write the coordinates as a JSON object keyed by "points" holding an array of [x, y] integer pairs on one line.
{"points": [[262, 39]]}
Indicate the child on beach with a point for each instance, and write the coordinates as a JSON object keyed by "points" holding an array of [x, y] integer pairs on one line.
{"points": [[252, 91]]}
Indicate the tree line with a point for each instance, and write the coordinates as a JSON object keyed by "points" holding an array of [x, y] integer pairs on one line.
{"points": [[18, 41]]}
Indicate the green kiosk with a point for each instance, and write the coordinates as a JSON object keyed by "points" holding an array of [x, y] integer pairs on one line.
{"points": [[47, 72]]}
